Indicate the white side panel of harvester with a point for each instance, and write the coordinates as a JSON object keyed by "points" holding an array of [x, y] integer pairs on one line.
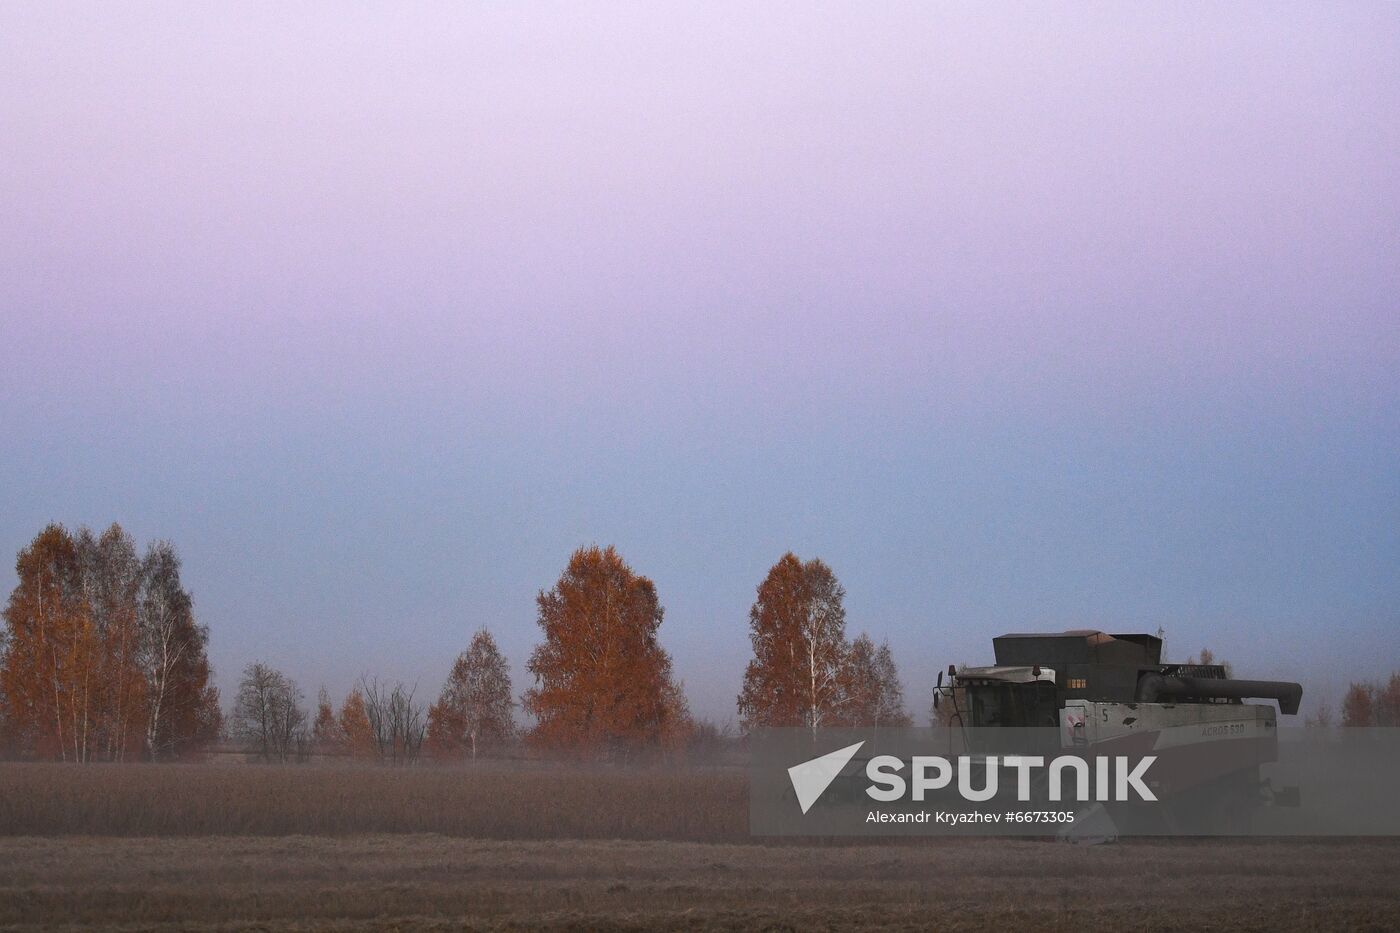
{"points": [[1206, 771], [1177, 725]]}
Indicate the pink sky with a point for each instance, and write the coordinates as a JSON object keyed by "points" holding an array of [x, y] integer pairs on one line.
{"points": [[1020, 318]]}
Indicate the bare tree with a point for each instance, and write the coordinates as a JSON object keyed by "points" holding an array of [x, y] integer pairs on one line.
{"points": [[475, 704], [268, 714], [1207, 658], [172, 651], [111, 575], [708, 741], [890, 710], [395, 718], [1322, 719], [822, 629], [871, 694]]}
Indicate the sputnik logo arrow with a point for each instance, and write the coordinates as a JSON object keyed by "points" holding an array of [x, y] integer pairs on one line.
{"points": [[811, 778]]}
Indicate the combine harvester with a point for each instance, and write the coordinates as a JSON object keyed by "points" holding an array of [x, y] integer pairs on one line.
{"points": [[1094, 694]]}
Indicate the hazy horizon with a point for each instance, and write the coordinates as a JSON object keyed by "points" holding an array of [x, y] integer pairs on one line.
{"points": [[1061, 318]]}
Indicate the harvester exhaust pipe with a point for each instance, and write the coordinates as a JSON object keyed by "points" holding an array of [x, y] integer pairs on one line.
{"points": [[1156, 687]]}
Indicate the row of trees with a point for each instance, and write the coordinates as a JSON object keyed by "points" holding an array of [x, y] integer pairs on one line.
{"points": [[101, 656], [376, 720], [379, 720], [1371, 704], [603, 685]]}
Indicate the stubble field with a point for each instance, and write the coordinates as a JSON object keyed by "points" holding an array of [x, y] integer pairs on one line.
{"points": [[228, 848]]}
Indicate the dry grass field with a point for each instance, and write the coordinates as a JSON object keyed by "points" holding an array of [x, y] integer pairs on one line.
{"points": [[492, 801], [331, 849]]}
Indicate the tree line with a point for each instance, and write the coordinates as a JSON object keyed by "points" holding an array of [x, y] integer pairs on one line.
{"points": [[1369, 704], [101, 658]]}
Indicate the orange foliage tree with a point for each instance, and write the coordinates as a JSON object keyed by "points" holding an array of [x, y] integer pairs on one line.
{"points": [[51, 675], [677, 725], [797, 627], [81, 675], [603, 683], [1389, 701], [1359, 706], [355, 730], [325, 730], [1370, 704]]}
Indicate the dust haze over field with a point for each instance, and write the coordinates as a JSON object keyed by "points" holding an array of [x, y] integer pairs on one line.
{"points": [[210, 847], [493, 800]]}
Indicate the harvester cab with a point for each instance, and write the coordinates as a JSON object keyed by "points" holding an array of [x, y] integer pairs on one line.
{"points": [[1037, 677]]}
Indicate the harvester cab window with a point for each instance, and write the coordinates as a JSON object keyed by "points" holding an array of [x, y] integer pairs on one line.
{"points": [[1001, 704]]}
